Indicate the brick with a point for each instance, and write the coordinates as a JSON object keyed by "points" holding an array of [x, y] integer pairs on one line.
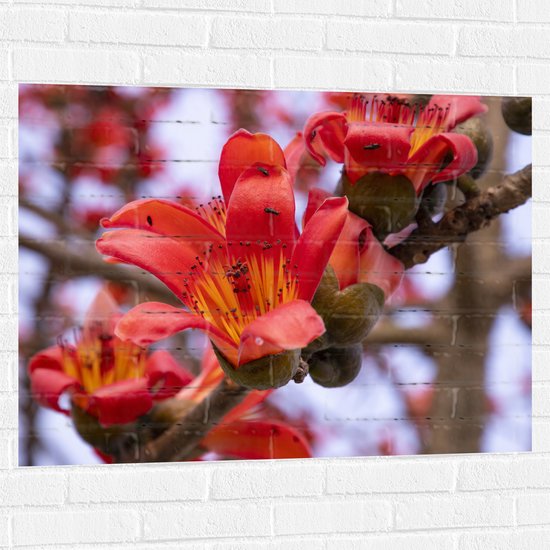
{"points": [[390, 476], [522, 539], [4, 529], [138, 485], [66, 526], [137, 28], [541, 435], [4, 64], [6, 454], [208, 70], [541, 142], [529, 11], [393, 542], [8, 333], [533, 509], [541, 403], [330, 516], [533, 79], [8, 178], [7, 360], [267, 481], [8, 264], [6, 141], [504, 41], [39, 25], [437, 512], [8, 411], [541, 113], [164, 523], [288, 34], [392, 37], [465, 9], [218, 5], [8, 101], [115, 3], [479, 474], [283, 544], [76, 65], [373, 8], [343, 73], [439, 76], [32, 488]]}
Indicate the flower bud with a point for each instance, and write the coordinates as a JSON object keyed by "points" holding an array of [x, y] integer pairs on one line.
{"points": [[271, 371], [517, 114], [388, 203], [349, 314], [336, 367], [476, 129]]}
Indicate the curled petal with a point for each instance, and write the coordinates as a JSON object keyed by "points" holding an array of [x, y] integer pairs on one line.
{"points": [[153, 321], [121, 402], [316, 243], [257, 440], [165, 218], [241, 151], [316, 197], [425, 164], [290, 326], [167, 258], [48, 385], [51, 358], [325, 133], [293, 154], [460, 108], [379, 146], [165, 376]]}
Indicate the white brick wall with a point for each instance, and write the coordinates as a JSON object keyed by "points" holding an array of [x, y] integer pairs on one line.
{"points": [[456, 502]]}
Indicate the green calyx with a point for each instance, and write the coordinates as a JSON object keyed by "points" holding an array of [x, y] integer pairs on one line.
{"points": [[517, 114], [476, 129], [271, 371], [336, 367], [388, 203], [349, 314]]}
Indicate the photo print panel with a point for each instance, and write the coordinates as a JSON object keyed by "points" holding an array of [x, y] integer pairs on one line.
{"points": [[237, 274]]}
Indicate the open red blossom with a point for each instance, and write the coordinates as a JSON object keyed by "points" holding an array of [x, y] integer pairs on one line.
{"points": [[397, 138], [112, 380], [244, 275], [358, 256]]}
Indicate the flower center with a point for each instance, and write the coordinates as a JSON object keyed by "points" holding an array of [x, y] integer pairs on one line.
{"points": [[101, 359], [427, 121], [232, 296]]}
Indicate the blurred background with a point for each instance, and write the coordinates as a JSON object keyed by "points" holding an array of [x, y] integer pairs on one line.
{"points": [[447, 369]]}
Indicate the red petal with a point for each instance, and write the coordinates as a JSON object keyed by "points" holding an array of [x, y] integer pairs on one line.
{"points": [[170, 260], [425, 164], [254, 398], [241, 151], [261, 213], [153, 321], [325, 133], [101, 316], [316, 243], [257, 440], [461, 108], [290, 326], [121, 402], [293, 155], [165, 218], [50, 358], [165, 375], [377, 146], [47, 386], [316, 197]]}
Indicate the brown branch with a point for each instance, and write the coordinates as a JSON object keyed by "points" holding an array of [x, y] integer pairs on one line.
{"points": [[88, 262], [477, 212], [180, 441]]}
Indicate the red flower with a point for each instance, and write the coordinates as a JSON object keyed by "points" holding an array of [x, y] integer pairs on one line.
{"points": [[244, 274], [395, 137], [358, 256], [112, 380]]}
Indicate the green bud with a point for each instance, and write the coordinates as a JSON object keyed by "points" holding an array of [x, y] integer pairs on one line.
{"points": [[517, 114], [271, 371], [349, 314], [388, 203], [336, 367], [476, 129]]}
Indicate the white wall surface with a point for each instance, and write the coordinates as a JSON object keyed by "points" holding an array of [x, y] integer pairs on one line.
{"points": [[453, 502]]}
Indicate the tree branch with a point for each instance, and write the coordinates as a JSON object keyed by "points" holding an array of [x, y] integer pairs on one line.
{"points": [[477, 212], [180, 441]]}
